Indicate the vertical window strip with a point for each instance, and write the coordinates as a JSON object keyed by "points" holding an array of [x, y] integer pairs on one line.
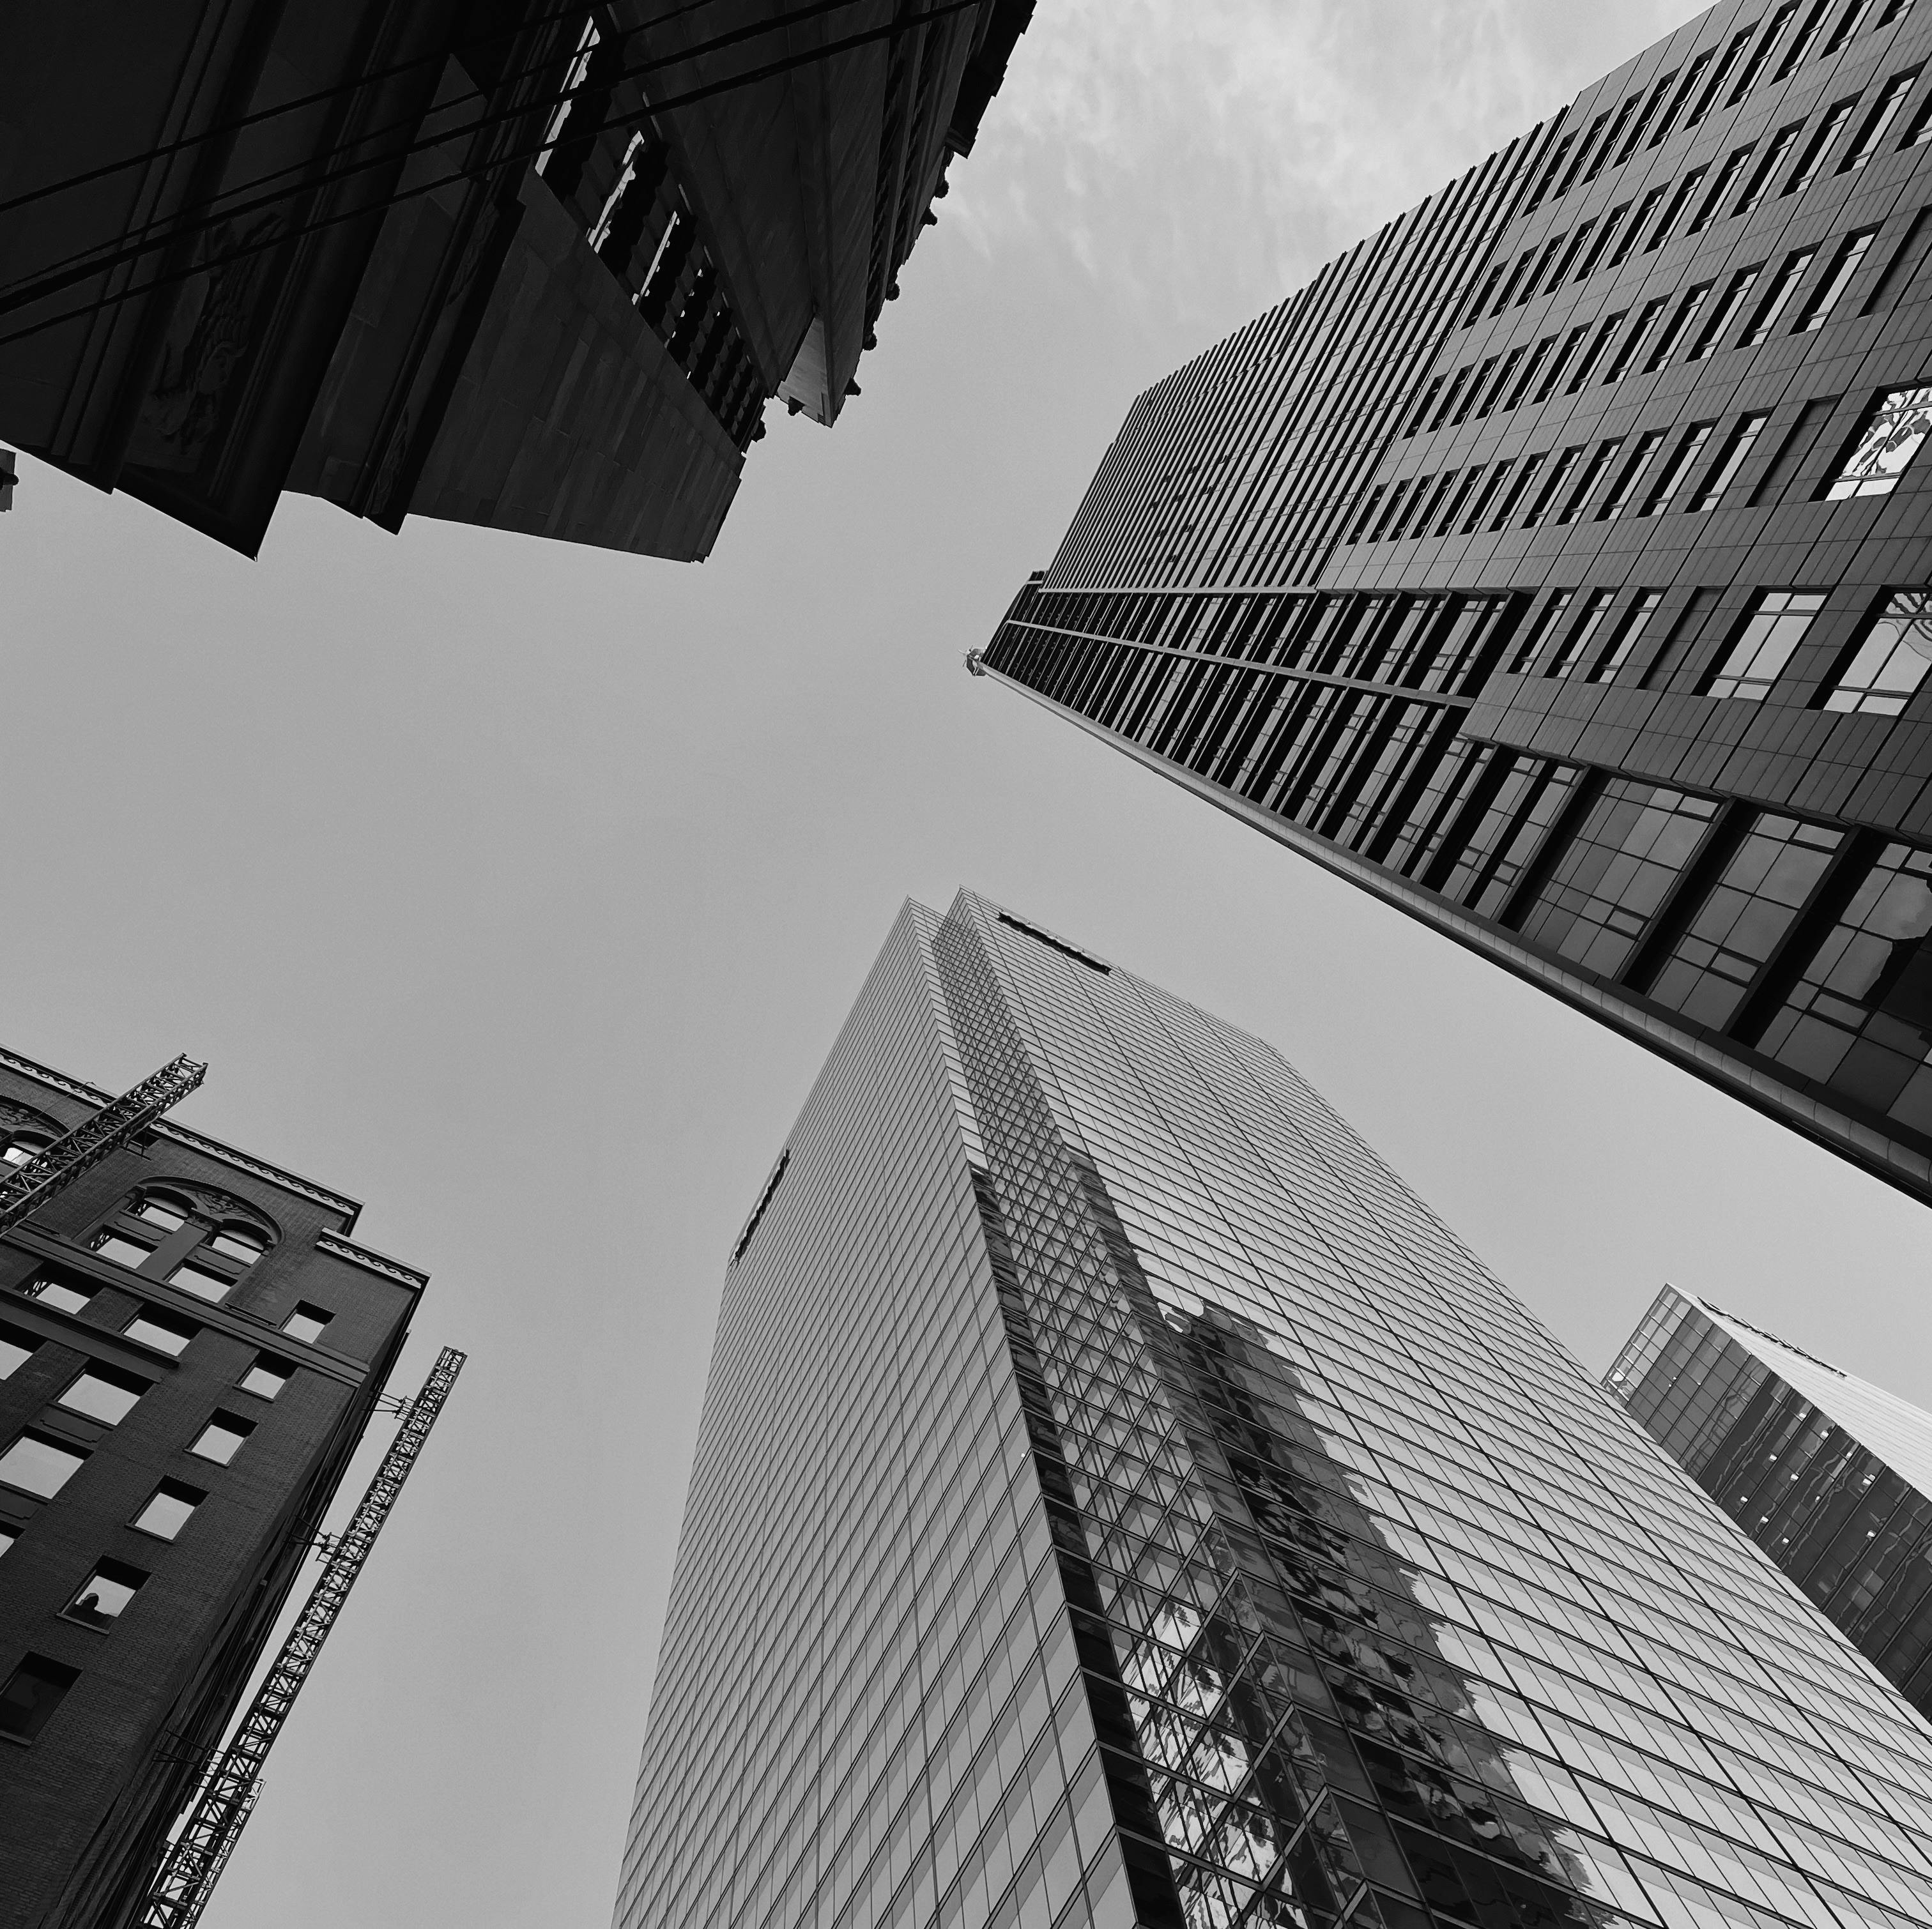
{"points": [[1806, 38], [1557, 367], [1851, 252], [1807, 169], [1559, 473], [1590, 619], [1849, 25], [1734, 166], [1742, 283], [1879, 121], [1626, 636], [1607, 451], [1480, 507], [1778, 296], [1687, 310], [1736, 448], [1634, 233], [1897, 274], [1525, 477], [1634, 341], [1754, 69], [1632, 479], [1668, 484], [1594, 353], [1674, 212], [1643, 120], [1694, 76], [1537, 632], [1606, 234], [1511, 362], [1774, 159], [1725, 67]]}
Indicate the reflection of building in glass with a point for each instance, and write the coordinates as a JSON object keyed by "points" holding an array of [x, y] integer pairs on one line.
{"points": [[1552, 565], [1830, 1475], [1118, 1502]]}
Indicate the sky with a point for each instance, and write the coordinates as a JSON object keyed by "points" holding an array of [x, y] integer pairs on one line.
{"points": [[519, 890]]}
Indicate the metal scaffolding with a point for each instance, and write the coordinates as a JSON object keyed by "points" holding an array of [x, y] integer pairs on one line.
{"points": [[197, 1855], [27, 1187]]}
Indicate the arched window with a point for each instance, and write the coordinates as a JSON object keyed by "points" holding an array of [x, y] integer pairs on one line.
{"points": [[200, 1240], [24, 1132]]}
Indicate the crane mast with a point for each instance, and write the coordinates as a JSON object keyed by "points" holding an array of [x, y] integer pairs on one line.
{"points": [[198, 1853], [29, 1187]]}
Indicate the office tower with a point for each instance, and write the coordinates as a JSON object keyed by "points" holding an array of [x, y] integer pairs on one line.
{"points": [[1830, 1475], [190, 1347], [1552, 566], [1119, 1501], [501, 262]]}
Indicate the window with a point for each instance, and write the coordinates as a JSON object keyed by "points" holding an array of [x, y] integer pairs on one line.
{"points": [[1545, 621], [1645, 209], [1724, 471], [1885, 446], [1632, 478], [1692, 75], [238, 1242], [1596, 607], [1727, 175], [1511, 363], [1455, 388], [1687, 313], [1755, 68], [221, 1440], [1825, 298], [1605, 234], [1428, 396], [1807, 39], [47, 1290], [8, 1535], [1898, 271], [1626, 636], [306, 1322], [1678, 467], [1739, 41], [1783, 286], [105, 1594], [1679, 201], [160, 1212], [1537, 356], [39, 1466], [122, 1251], [201, 1282], [1643, 120], [1856, 1021], [22, 1146], [1634, 341], [1774, 159], [1878, 121], [1921, 128], [17, 1348], [34, 1690], [1481, 507], [1774, 871], [1794, 447], [1889, 664], [267, 1377], [1807, 169], [1853, 18], [1611, 879], [168, 1509], [1559, 475], [1741, 284], [161, 1331], [1763, 645], [1470, 477], [1605, 454], [1594, 353], [1682, 638], [1518, 489], [105, 1393], [1562, 361]]}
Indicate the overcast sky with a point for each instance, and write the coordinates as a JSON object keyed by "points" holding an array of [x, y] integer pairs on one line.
{"points": [[519, 890]]}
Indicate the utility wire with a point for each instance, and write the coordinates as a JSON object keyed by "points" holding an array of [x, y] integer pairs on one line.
{"points": [[772, 69], [222, 129], [85, 264]]}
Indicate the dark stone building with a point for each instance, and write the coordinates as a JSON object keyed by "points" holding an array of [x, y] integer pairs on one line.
{"points": [[536, 268], [1830, 1475], [1555, 566], [190, 1348]]}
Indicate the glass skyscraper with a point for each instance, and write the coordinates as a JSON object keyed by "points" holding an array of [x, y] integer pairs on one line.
{"points": [[1552, 566], [1830, 1475], [1119, 1502]]}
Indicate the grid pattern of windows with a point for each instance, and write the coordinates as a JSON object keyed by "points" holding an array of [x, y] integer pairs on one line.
{"points": [[1816, 1493], [1534, 395]]}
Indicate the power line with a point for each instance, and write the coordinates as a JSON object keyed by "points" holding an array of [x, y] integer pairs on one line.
{"points": [[789, 63], [85, 265]]}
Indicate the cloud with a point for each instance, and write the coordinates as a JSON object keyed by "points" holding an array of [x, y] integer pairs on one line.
{"points": [[1210, 155]]}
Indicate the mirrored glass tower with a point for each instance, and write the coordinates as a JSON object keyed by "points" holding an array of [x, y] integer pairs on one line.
{"points": [[1119, 1502], [1553, 566], [1830, 1475]]}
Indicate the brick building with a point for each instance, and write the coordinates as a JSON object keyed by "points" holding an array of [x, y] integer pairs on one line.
{"points": [[1555, 566], [487, 260], [190, 1348]]}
